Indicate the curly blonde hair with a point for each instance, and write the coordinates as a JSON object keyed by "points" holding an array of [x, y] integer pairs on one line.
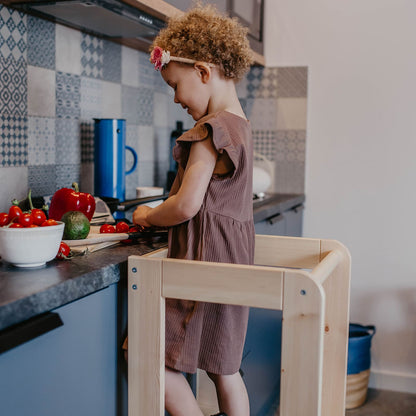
{"points": [[204, 34]]}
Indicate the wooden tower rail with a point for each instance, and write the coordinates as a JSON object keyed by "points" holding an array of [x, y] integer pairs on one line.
{"points": [[308, 279]]}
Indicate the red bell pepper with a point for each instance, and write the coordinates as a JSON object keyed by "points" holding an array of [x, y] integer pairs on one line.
{"points": [[66, 199]]}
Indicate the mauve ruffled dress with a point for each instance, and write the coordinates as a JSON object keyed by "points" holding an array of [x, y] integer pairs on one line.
{"points": [[206, 335]]}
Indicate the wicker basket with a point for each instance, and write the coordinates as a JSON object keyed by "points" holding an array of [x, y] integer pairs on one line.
{"points": [[357, 386]]}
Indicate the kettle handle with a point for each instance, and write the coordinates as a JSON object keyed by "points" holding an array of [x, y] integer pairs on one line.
{"points": [[133, 168]]}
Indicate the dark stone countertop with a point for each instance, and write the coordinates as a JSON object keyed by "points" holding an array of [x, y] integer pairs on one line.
{"points": [[274, 204], [25, 293]]}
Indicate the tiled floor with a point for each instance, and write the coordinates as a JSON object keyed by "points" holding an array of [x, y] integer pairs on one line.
{"points": [[385, 403]]}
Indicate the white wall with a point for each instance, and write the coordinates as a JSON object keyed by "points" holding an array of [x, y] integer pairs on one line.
{"points": [[360, 158]]}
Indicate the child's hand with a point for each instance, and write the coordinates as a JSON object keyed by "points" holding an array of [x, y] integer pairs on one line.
{"points": [[140, 215]]}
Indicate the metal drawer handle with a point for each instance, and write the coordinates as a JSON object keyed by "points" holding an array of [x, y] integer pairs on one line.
{"points": [[28, 330], [275, 219]]}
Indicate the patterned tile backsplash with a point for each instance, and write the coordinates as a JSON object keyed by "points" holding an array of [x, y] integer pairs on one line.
{"points": [[54, 81]]}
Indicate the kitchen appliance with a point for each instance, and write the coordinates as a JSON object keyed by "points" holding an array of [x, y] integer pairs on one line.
{"points": [[108, 18], [110, 158]]}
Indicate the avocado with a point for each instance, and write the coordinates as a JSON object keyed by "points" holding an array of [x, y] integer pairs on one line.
{"points": [[77, 226]]}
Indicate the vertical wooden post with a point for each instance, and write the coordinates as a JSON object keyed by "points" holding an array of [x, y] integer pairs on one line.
{"points": [[337, 291], [302, 341], [146, 328]]}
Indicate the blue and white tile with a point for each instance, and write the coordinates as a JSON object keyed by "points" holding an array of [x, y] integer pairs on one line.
{"points": [[68, 95], [13, 34], [162, 144], [41, 91], [87, 141], [263, 114], [129, 67], [262, 83], [148, 75], [137, 105], [68, 50], [42, 180], [111, 61], [13, 87], [292, 81], [177, 113], [14, 143], [14, 184], [41, 141], [161, 109], [67, 174], [92, 58], [146, 144], [86, 180], [291, 113], [264, 142], [146, 173], [40, 42], [241, 88], [68, 141], [111, 104], [290, 145], [289, 177], [91, 98]]}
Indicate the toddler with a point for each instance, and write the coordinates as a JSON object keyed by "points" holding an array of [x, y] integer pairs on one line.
{"points": [[209, 212]]}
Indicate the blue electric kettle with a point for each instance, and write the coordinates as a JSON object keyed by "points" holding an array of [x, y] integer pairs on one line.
{"points": [[110, 158]]}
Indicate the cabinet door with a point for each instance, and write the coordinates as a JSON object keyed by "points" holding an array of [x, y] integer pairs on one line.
{"points": [[69, 371], [275, 225], [294, 221]]}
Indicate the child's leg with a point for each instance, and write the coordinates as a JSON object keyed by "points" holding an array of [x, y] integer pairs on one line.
{"points": [[232, 394], [179, 399]]}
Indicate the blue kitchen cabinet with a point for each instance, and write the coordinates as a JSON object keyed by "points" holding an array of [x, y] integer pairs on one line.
{"points": [[71, 370]]}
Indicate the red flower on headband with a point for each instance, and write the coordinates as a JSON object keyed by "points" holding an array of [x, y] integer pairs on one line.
{"points": [[159, 57]]}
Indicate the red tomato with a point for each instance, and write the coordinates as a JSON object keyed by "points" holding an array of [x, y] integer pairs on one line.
{"points": [[33, 226], [38, 216], [122, 227], [25, 219], [4, 219], [48, 223], [63, 251], [14, 212], [16, 225], [107, 228]]}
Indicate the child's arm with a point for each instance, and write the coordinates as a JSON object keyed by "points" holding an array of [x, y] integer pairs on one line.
{"points": [[186, 203]]}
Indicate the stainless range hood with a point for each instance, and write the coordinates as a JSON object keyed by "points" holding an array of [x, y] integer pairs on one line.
{"points": [[108, 18]]}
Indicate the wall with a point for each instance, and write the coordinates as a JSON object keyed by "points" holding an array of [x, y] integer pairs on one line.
{"points": [[55, 80], [360, 168]]}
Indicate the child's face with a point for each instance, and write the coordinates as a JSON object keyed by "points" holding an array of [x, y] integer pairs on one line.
{"points": [[191, 92]]}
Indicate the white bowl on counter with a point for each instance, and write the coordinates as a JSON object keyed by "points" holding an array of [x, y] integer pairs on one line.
{"points": [[30, 247]]}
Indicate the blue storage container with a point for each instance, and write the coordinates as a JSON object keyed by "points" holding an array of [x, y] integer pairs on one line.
{"points": [[359, 347]]}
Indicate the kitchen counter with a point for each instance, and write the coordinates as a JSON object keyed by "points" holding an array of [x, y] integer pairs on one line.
{"points": [[25, 293]]}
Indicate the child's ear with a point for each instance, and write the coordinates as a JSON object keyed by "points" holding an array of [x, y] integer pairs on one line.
{"points": [[204, 71]]}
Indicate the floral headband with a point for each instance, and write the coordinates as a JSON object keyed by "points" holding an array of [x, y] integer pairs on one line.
{"points": [[159, 57]]}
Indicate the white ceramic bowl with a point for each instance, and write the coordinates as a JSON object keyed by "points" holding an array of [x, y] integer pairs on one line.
{"points": [[30, 247]]}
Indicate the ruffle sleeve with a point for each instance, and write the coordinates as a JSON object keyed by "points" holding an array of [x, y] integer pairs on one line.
{"points": [[212, 125]]}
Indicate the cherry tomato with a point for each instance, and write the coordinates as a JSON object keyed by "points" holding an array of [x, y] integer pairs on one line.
{"points": [[16, 225], [122, 227], [14, 212], [48, 223], [107, 228], [25, 219], [4, 219], [38, 216], [63, 251], [33, 226]]}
